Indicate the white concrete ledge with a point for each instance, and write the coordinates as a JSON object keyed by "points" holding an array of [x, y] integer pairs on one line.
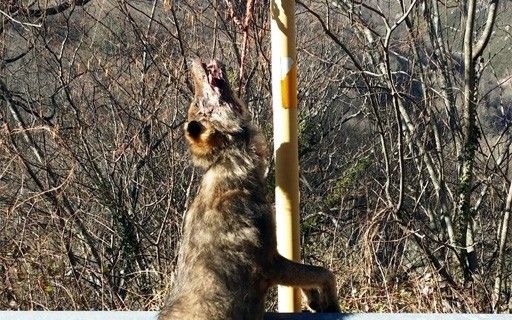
{"points": [[385, 316], [78, 315], [152, 315]]}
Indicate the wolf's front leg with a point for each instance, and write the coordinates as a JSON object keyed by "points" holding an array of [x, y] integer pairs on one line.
{"points": [[317, 283]]}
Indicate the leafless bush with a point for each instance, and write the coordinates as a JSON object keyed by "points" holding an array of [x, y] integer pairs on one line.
{"points": [[94, 177]]}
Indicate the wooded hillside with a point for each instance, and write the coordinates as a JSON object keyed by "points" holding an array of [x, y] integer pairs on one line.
{"points": [[405, 117]]}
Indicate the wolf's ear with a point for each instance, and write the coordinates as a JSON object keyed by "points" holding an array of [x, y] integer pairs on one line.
{"points": [[202, 138], [194, 130]]}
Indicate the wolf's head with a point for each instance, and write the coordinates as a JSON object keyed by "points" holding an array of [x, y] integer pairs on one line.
{"points": [[218, 122]]}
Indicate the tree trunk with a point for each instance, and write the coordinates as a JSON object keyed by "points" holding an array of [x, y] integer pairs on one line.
{"points": [[470, 135], [502, 239]]}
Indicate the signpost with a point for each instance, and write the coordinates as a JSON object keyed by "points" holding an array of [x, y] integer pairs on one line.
{"points": [[284, 92]]}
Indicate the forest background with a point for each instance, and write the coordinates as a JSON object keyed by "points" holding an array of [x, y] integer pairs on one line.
{"points": [[405, 109]]}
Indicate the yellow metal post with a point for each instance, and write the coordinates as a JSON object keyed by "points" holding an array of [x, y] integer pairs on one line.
{"points": [[284, 92]]}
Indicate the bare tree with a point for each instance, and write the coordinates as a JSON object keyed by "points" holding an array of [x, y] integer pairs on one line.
{"points": [[404, 110]]}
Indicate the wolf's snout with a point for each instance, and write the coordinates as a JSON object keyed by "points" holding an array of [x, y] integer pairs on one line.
{"points": [[195, 128]]}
